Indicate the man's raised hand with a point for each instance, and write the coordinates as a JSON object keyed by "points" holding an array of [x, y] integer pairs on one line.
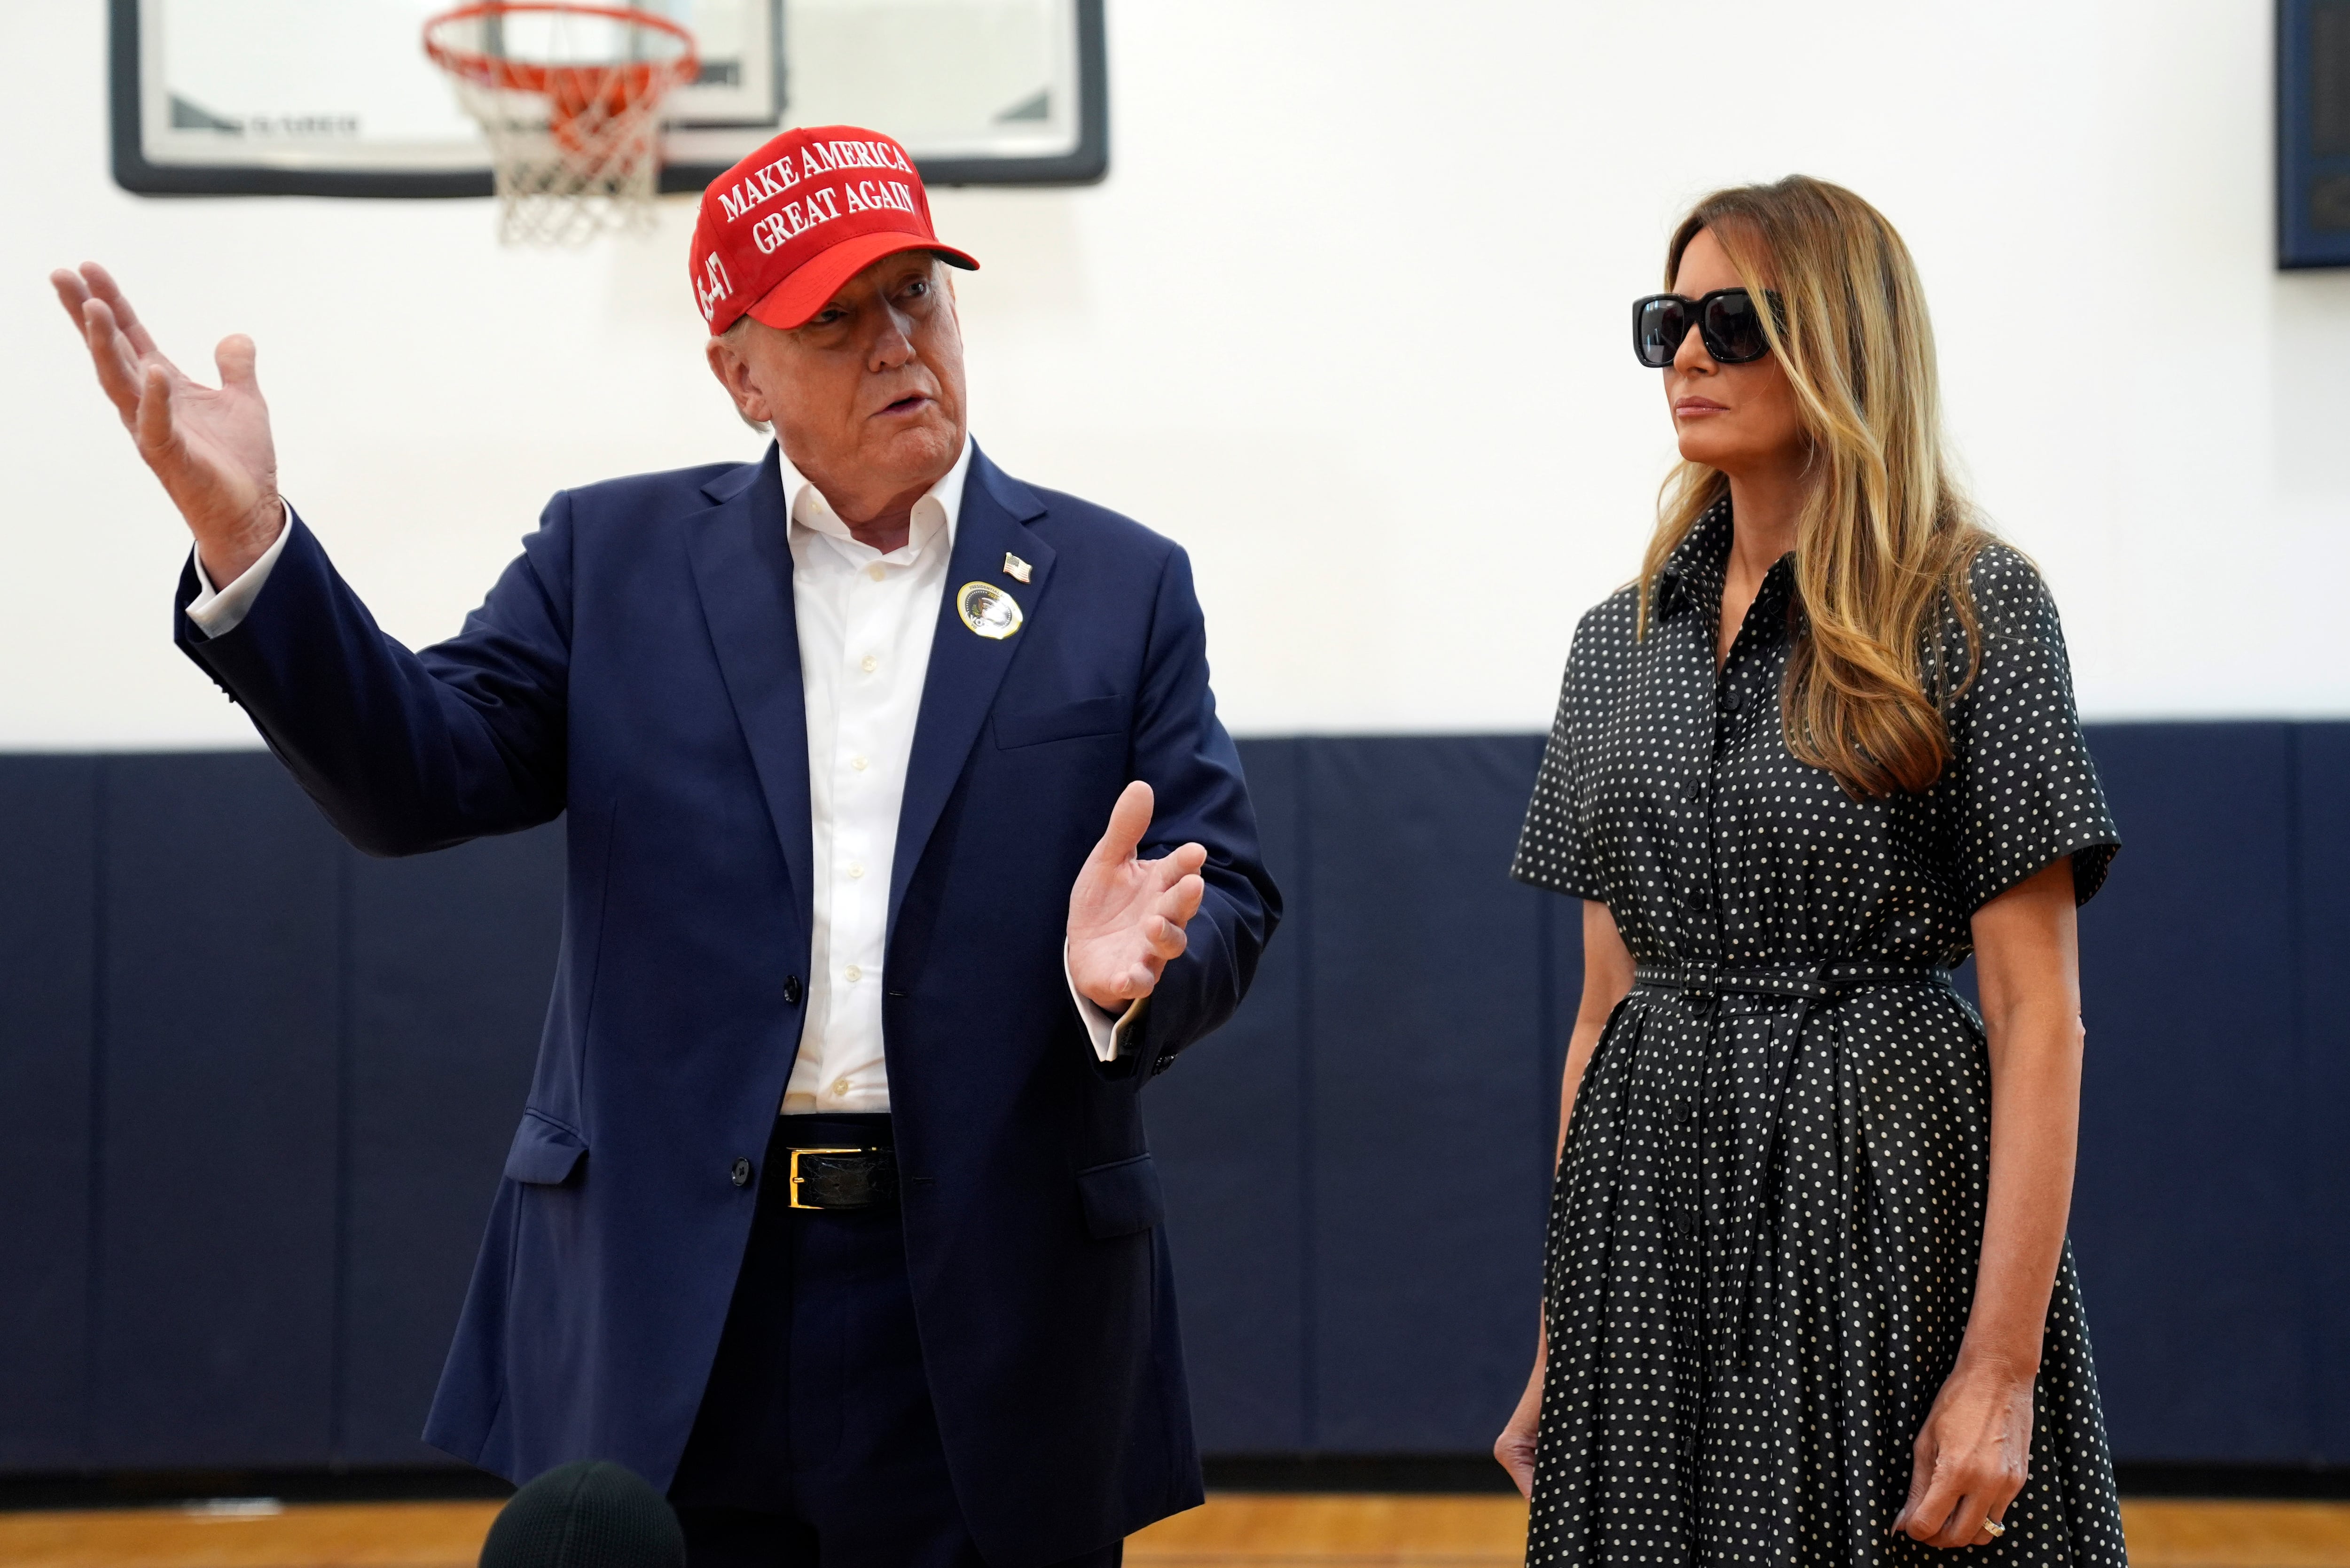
{"points": [[209, 447], [1127, 916]]}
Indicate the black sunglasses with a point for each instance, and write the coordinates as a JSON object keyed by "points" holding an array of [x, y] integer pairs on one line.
{"points": [[1726, 322]]}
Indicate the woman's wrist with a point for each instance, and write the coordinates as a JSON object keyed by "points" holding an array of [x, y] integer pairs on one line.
{"points": [[2014, 1362]]}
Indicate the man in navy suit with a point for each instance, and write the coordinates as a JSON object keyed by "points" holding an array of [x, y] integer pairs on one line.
{"points": [[831, 1209]]}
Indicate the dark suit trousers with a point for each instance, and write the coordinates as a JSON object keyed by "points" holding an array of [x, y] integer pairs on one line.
{"points": [[815, 1443]]}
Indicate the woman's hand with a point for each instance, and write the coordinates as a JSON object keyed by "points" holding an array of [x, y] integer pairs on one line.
{"points": [[1971, 1455], [1606, 981], [1515, 1447]]}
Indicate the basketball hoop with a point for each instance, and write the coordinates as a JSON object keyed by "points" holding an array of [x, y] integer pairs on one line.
{"points": [[569, 96]]}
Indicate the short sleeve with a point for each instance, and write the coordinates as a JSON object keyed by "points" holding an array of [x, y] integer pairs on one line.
{"points": [[1551, 846], [2025, 789]]}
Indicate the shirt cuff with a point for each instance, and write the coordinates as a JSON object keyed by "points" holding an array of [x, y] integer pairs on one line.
{"points": [[1105, 1029], [216, 612]]}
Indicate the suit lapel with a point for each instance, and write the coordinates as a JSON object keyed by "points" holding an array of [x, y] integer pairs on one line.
{"points": [[965, 669], [743, 568]]}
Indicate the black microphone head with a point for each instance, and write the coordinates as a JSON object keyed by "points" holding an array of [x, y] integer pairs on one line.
{"points": [[589, 1513]]}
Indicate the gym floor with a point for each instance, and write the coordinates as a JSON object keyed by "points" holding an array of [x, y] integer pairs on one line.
{"points": [[1233, 1530]]}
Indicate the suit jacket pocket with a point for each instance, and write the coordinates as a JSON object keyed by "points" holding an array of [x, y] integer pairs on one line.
{"points": [[544, 1154], [1069, 721], [1121, 1198]]}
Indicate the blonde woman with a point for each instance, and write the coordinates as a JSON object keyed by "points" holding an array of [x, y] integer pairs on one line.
{"points": [[1808, 1296]]}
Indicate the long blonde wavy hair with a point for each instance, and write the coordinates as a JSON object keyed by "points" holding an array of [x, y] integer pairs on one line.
{"points": [[1884, 539]]}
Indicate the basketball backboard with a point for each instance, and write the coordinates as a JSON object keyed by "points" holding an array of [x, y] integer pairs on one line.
{"points": [[336, 97], [2313, 133]]}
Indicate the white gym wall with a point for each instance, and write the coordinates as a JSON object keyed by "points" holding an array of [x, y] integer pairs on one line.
{"points": [[1349, 319]]}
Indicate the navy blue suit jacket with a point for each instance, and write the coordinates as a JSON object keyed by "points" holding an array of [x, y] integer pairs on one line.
{"points": [[637, 670]]}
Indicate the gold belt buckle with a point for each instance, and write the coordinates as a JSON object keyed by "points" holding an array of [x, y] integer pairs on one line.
{"points": [[798, 1177]]}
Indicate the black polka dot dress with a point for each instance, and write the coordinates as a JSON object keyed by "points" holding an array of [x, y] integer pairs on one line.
{"points": [[1763, 1234]]}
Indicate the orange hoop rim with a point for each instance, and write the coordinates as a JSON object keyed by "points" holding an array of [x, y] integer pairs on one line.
{"points": [[531, 76]]}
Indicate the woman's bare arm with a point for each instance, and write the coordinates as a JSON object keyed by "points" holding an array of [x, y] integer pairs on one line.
{"points": [[1607, 979], [1971, 1455], [1607, 976]]}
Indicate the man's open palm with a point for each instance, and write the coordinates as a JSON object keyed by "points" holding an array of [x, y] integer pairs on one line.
{"points": [[211, 447], [1126, 915]]}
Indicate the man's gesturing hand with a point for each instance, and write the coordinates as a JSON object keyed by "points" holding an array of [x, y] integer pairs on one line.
{"points": [[1127, 916], [211, 449]]}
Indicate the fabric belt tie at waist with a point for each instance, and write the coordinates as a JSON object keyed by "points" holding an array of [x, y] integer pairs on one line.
{"points": [[1734, 1314], [1817, 984]]}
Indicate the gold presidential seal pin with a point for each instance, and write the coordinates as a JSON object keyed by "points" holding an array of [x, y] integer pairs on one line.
{"points": [[988, 610], [1015, 568]]}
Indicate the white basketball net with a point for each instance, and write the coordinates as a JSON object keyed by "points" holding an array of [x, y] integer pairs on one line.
{"points": [[571, 100]]}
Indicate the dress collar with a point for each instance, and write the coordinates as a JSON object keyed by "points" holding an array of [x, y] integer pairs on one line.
{"points": [[1693, 574]]}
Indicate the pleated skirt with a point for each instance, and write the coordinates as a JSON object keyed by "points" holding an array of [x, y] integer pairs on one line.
{"points": [[1762, 1244]]}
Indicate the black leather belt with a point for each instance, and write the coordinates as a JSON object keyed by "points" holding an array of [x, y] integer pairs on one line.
{"points": [[842, 1177]]}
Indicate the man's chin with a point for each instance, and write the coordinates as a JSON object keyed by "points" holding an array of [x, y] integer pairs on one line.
{"points": [[925, 451]]}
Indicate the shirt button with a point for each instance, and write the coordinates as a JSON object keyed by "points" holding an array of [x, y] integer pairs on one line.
{"points": [[870, 664], [877, 571], [853, 973], [740, 1173], [841, 1088], [860, 763], [856, 871]]}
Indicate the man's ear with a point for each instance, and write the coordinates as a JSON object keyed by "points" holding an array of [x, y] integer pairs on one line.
{"points": [[733, 373]]}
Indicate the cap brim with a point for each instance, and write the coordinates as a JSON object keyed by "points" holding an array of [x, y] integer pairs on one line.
{"points": [[791, 301]]}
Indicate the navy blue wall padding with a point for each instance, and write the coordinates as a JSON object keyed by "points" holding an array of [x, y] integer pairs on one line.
{"points": [[217, 1174], [2189, 1194], [256, 1092], [2318, 1122], [1427, 1040], [48, 932]]}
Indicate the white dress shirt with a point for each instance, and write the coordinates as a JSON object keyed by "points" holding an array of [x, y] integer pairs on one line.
{"points": [[866, 624], [217, 611]]}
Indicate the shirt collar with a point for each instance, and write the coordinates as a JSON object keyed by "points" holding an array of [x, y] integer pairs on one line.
{"points": [[938, 511]]}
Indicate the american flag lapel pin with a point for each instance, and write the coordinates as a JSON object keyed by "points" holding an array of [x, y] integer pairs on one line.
{"points": [[1015, 568]]}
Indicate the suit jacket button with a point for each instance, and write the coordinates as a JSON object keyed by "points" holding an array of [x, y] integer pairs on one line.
{"points": [[791, 990], [740, 1173]]}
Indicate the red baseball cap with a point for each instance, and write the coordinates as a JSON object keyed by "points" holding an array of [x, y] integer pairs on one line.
{"points": [[783, 229]]}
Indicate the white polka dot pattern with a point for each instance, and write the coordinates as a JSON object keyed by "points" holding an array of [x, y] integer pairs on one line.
{"points": [[1763, 1234]]}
